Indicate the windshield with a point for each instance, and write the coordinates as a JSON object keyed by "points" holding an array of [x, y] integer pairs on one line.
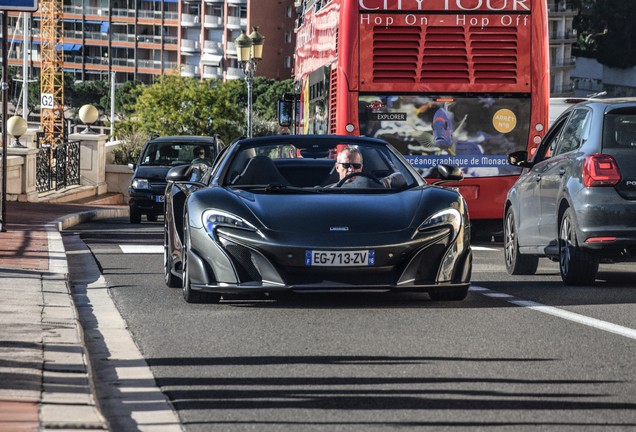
{"points": [[473, 133], [176, 153], [285, 168]]}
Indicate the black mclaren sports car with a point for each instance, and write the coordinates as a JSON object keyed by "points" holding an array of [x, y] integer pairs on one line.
{"points": [[314, 213]]}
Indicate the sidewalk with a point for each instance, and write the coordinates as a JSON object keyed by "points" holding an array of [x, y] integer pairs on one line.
{"points": [[45, 378]]}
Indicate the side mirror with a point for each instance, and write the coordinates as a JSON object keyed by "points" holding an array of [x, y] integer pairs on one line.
{"points": [[132, 166], [179, 173], [446, 173], [518, 158]]}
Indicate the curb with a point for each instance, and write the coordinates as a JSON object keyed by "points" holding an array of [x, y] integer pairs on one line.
{"points": [[126, 398]]}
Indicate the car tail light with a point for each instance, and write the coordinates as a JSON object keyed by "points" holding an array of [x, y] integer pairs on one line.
{"points": [[600, 170], [600, 240]]}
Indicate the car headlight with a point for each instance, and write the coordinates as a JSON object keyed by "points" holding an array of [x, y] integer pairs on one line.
{"points": [[447, 217], [212, 219], [140, 184]]}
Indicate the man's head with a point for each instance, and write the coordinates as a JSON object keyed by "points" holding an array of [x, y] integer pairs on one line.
{"points": [[349, 161], [199, 152]]}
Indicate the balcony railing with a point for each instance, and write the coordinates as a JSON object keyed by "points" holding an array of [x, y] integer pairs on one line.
{"points": [[570, 61], [213, 47], [555, 36], [213, 21]]}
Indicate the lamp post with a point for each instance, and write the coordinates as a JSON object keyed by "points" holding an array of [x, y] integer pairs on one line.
{"points": [[249, 50]]}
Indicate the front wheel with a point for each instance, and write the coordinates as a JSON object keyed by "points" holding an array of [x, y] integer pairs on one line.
{"points": [[577, 266], [516, 263], [171, 280]]}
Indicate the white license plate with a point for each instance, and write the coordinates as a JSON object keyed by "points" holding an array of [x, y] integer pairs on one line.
{"points": [[160, 198], [328, 258]]}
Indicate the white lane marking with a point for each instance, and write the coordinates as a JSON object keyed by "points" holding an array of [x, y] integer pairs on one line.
{"points": [[560, 313], [484, 248], [141, 249]]}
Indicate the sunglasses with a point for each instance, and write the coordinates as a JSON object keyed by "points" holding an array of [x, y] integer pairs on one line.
{"points": [[347, 165]]}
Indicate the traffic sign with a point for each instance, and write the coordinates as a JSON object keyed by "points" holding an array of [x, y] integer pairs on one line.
{"points": [[47, 101], [19, 5]]}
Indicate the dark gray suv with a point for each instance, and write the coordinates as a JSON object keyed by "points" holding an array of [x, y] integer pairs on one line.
{"points": [[157, 157], [575, 200]]}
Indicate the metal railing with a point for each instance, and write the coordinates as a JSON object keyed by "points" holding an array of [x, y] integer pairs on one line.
{"points": [[57, 167]]}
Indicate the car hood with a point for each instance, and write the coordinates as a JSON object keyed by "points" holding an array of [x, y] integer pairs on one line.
{"points": [[154, 173], [353, 213]]}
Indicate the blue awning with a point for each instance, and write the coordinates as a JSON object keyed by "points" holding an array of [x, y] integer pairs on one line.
{"points": [[69, 47]]}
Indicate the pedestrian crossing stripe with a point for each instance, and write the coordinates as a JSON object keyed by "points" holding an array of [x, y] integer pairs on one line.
{"points": [[141, 249]]}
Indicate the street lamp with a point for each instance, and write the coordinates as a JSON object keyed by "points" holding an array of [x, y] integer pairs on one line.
{"points": [[88, 114], [16, 126], [249, 50]]}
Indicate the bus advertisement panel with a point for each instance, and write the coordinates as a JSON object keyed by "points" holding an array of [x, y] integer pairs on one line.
{"points": [[473, 133], [445, 81]]}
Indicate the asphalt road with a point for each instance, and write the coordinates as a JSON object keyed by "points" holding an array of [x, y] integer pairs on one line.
{"points": [[517, 354]]}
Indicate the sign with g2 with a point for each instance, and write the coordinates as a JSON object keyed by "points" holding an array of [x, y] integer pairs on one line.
{"points": [[47, 101]]}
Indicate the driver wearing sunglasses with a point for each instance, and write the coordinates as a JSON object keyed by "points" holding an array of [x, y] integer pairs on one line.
{"points": [[349, 161]]}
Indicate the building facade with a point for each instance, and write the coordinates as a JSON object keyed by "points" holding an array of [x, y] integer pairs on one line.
{"points": [[138, 40], [562, 36]]}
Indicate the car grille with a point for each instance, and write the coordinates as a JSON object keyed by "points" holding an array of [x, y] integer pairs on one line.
{"points": [[252, 266], [158, 188]]}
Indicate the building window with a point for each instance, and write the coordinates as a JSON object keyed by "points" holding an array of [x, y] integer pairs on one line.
{"points": [[288, 37], [288, 62]]}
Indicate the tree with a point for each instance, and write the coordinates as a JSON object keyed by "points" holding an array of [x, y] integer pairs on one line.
{"points": [[177, 105], [126, 97], [607, 31], [268, 92], [79, 94]]}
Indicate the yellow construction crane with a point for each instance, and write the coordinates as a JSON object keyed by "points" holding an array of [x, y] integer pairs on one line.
{"points": [[52, 71]]}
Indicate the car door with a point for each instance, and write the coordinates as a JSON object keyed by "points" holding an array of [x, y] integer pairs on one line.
{"points": [[558, 170], [528, 188]]}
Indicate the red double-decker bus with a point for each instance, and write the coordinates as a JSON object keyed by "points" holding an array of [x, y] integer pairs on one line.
{"points": [[463, 82]]}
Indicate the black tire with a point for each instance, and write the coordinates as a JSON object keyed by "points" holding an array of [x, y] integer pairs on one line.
{"points": [[152, 217], [190, 295], [171, 280], [516, 262], [135, 216], [577, 266], [449, 294]]}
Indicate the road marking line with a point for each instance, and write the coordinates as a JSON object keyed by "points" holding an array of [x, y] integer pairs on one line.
{"points": [[560, 313], [484, 248], [141, 249]]}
